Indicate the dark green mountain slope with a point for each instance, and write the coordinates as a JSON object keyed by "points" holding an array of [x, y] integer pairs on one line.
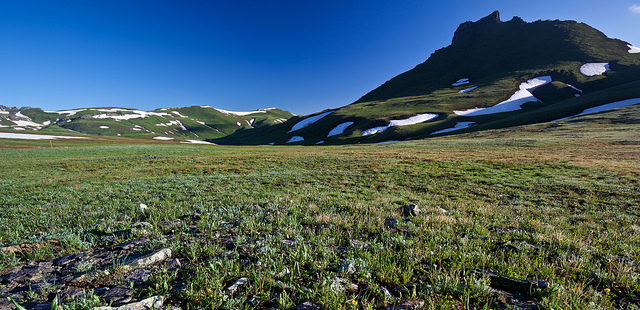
{"points": [[492, 60]]}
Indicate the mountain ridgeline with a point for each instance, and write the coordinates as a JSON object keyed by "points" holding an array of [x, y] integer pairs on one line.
{"points": [[495, 74]]}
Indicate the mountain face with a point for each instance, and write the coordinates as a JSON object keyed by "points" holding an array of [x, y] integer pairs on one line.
{"points": [[190, 124], [494, 74]]}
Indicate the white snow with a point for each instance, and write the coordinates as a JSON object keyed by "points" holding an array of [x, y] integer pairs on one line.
{"points": [[238, 123], [467, 90], [163, 138], [178, 113], [197, 142], [633, 49], [134, 114], [461, 82], [4, 112], [574, 88], [604, 107], [458, 126], [68, 112], [46, 123], [420, 118], [240, 113], [26, 123], [308, 121], [521, 96], [136, 129], [338, 130], [295, 139], [594, 68], [104, 127], [173, 123], [280, 120], [28, 136]]}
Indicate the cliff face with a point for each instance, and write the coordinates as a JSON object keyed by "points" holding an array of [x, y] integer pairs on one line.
{"points": [[469, 29]]}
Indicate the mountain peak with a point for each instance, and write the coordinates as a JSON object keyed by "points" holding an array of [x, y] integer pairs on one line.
{"points": [[469, 29]]}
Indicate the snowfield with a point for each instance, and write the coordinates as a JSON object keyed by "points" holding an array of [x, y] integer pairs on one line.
{"points": [[239, 113], [28, 136], [633, 49], [467, 90], [104, 127], [594, 68], [461, 82], [420, 118], [338, 130], [458, 126], [514, 103], [308, 121], [163, 138], [134, 114], [295, 139], [604, 107]]}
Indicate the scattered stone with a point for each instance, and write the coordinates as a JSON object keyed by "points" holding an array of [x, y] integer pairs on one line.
{"points": [[150, 259], [174, 264], [512, 284], [289, 242], [118, 295], [137, 276], [109, 239], [231, 289], [141, 228], [307, 305], [285, 271], [407, 305], [341, 284], [130, 244], [42, 306], [358, 243], [410, 210], [391, 222], [347, 269], [503, 196], [70, 292], [154, 302]]}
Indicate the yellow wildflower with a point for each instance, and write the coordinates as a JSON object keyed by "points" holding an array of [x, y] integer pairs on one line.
{"points": [[607, 290], [354, 302]]}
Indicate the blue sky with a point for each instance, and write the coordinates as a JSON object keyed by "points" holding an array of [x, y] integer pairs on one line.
{"points": [[300, 56]]}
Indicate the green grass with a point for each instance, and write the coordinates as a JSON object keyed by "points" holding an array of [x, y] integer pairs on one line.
{"points": [[573, 221]]}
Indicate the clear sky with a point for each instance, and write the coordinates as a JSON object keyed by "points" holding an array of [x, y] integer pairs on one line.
{"points": [[301, 56]]}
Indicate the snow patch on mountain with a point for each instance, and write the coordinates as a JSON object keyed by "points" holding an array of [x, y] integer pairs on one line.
{"points": [[104, 127], [458, 126], [163, 138], [338, 130], [521, 96], [132, 115], [605, 107], [461, 82], [308, 121], [173, 123], [241, 113], [633, 49], [67, 112], [467, 90], [295, 139], [420, 118], [594, 68]]}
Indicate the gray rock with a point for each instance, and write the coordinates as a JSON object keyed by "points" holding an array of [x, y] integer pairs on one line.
{"points": [[358, 244], [234, 287], [118, 295], [70, 292], [154, 302], [341, 284], [307, 305], [174, 264], [391, 222], [150, 259], [137, 275], [285, 271], [347, 269], [410, 210], [130, 244]]}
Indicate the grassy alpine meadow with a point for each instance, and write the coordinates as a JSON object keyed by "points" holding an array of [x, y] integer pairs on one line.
{"points": [[538, 203]]}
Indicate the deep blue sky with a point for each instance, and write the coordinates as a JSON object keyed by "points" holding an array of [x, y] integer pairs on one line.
{"points": [[301, 56]]}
